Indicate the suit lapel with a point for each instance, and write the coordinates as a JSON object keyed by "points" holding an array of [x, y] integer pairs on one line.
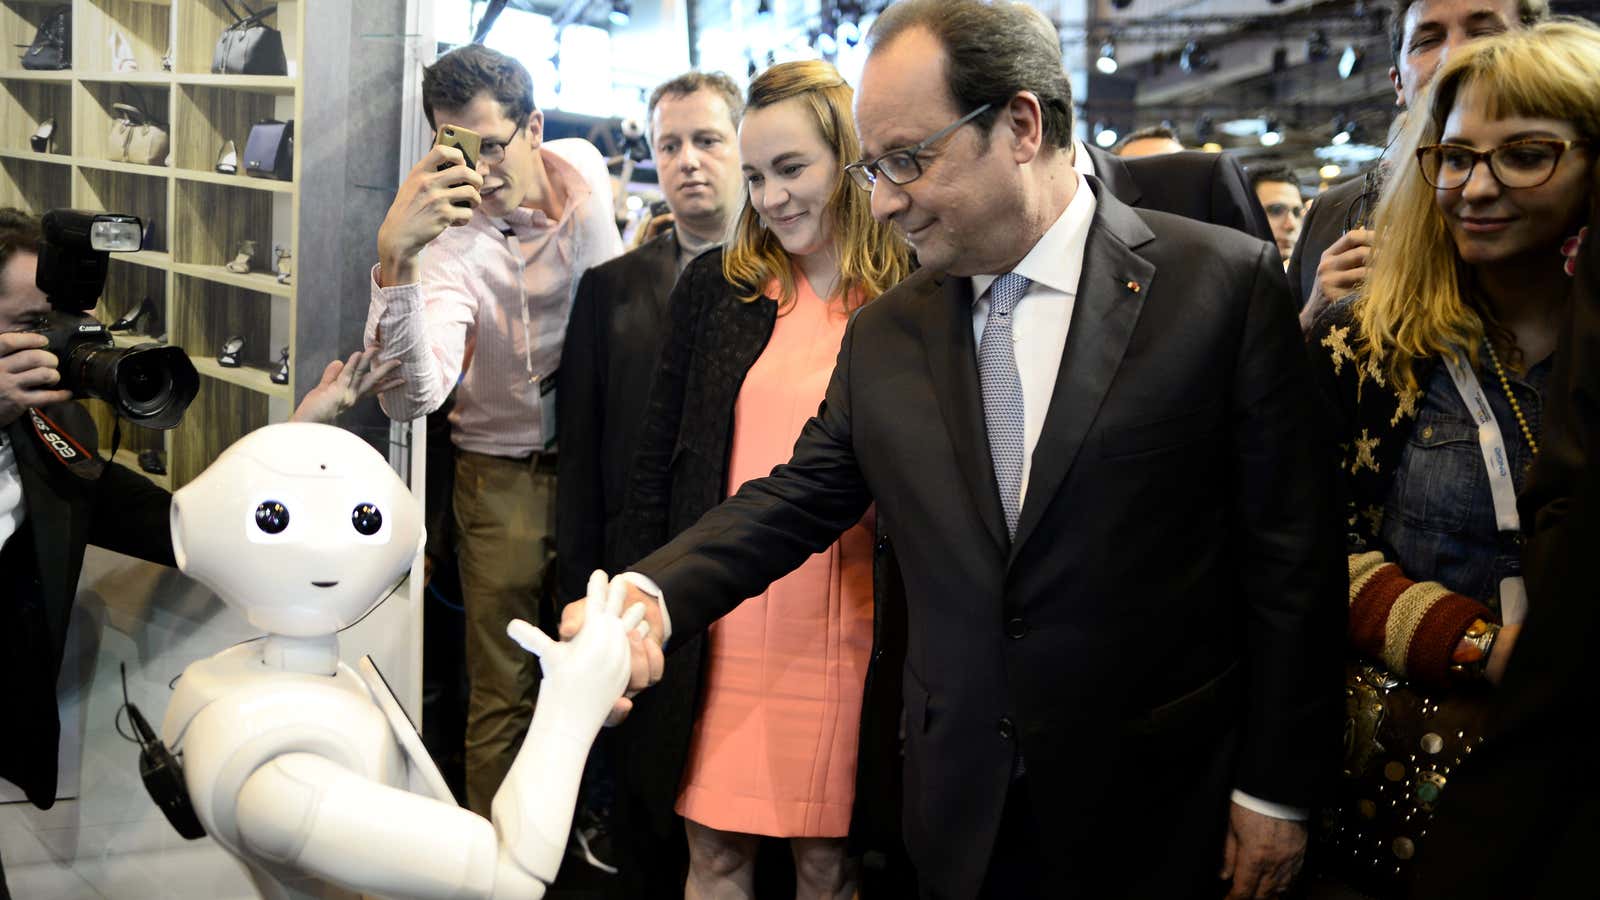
{"points": [[952, 358], [1114, 174], [1112, 290]]}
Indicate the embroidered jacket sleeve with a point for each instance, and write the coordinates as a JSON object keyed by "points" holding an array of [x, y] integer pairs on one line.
{"points": [[1409, 626]]}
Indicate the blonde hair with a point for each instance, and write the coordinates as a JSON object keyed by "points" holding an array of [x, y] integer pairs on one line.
{"points": [[872, 258], [1418, 302]]}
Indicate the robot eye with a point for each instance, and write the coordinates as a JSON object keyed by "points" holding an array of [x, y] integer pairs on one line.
{"points": [[366, 518], [272, 516]]}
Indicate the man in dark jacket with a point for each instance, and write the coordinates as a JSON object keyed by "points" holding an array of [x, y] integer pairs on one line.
{"points": [[619, 321]]}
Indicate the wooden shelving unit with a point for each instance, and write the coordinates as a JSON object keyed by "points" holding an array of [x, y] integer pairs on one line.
{"points": [[201, 216]]}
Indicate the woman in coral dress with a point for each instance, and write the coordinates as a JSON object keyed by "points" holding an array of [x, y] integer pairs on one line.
{"points": [[755, 332]]}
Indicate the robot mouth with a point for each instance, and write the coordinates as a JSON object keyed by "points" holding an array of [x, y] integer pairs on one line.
{"points": [[323, 584]]}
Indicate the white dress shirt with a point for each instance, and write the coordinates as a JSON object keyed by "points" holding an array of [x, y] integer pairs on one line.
{"points": [[1081, 160], [13, 509]]}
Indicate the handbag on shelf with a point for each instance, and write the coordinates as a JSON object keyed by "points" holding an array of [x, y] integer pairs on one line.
{"points": [[249, 46], [269, 152], [1402, 745], [136, 138], [52, 43]]}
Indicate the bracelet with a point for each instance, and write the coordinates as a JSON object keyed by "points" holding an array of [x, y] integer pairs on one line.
{"points": [[1482, 635]]}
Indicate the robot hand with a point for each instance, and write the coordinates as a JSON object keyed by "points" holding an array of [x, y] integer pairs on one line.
{"points": [[587, 673]]}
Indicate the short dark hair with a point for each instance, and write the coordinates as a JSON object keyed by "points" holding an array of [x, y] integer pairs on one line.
{"points": [[1529, 12], [19, 233], [457, 77], [1149, 132], [1262, 174], [992, 51], [692, 81]]}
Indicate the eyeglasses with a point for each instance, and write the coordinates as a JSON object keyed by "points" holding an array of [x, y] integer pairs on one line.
{"points": [[1275, 210], [1519, 164], [901, 166], [492, 152]]}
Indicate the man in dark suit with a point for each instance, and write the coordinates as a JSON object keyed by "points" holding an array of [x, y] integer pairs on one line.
{"points": [[1206, 187], [619, 321], [1330, 259], [1123, 602]]}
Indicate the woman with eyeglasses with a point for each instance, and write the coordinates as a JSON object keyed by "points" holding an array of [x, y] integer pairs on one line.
{"points": [[754, 334], [1438, 373]]}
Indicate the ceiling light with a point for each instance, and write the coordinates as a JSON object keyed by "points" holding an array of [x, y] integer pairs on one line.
{"points": [[1272, 136], [848, 34], [1317, 48], [1107, 63], [1349, 61], [825, 43], [621, 11], [1104, 134], [1329, 172]]}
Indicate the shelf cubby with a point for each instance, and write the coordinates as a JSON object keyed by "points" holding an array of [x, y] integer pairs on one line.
{"points": [[34, 185], [147, 26], [93, 117], [24, 105], [204, 21], [142, 195], [126, 287], [209, 117], [19, 22], [206, 315], [224, 218]]}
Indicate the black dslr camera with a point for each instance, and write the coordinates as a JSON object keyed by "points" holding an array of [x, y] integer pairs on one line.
{"points": [[150, 384]]}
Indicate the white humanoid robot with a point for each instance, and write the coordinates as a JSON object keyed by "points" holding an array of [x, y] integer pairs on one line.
{"points": [[306, 769]]}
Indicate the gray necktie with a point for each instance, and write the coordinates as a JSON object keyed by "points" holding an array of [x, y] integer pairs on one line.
{"points": [[1002, 393]]}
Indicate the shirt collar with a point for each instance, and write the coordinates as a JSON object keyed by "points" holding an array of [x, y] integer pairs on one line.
{"points": [[1056, 261], [557, 169], [1082, 160]]}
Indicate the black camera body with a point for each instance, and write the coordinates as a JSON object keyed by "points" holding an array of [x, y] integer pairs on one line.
{"points": [[151, 384]]}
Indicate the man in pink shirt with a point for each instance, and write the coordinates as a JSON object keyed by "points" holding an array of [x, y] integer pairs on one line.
{"points": [[483, 311]]}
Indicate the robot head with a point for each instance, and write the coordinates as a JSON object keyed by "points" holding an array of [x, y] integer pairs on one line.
{"points": [[302, 527]]}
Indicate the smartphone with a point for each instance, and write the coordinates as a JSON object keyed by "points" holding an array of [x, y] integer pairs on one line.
{"points": [[469, 142]]}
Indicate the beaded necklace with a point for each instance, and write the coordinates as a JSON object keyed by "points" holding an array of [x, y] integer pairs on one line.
{"points": [[1516, 408]]}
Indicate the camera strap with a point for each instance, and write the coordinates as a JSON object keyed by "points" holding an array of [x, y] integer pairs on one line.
{"points": [[58, 444]]}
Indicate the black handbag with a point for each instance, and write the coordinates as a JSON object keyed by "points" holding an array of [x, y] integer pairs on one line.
{"points": [[52, 43], [249, 46], [269, 153]]}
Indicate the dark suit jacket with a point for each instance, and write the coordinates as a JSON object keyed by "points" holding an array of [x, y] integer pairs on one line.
{"points": [[1167, 624], [618, 323], [1206, 187], [1324, 224], [120, 511]]}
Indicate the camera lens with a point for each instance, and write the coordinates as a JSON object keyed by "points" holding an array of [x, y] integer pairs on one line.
{"points": [[144, 385]]}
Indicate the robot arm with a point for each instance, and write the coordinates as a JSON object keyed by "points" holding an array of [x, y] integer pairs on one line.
{"points": [[308, 813]]}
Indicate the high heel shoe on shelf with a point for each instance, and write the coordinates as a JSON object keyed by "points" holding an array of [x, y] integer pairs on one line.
{"points": [[44, 138], [145, 319], [228, 159], [240, 265], [282, 263], [231, 349], [281, 375]]}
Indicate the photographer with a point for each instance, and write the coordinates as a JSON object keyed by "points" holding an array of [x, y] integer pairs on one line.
{"points": [[57, 495]]}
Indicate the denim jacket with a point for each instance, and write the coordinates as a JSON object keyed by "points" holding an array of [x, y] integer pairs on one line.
{"points": [[1439, 518]]}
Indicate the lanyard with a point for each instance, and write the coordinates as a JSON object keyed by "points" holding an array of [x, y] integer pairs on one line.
{"points": [[1493, 444], [1513, 595]]}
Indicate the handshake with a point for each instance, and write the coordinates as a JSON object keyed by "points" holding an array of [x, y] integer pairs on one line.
{"points": [[610, 647]]}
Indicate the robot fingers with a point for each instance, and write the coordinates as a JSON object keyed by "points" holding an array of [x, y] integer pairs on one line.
{"points": [[530, 638], [634, 617]]}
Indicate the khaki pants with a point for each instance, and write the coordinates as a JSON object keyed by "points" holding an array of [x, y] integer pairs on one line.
{"points": [[505, 524]]}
